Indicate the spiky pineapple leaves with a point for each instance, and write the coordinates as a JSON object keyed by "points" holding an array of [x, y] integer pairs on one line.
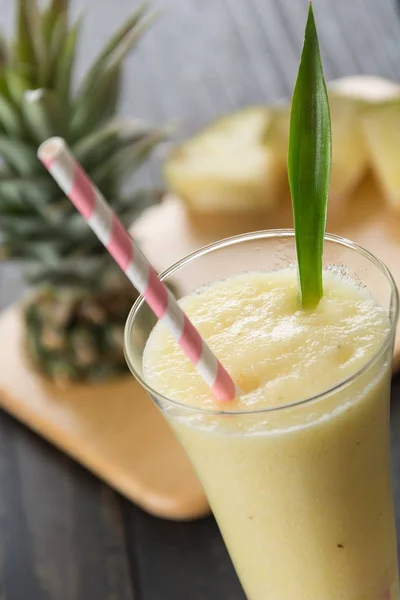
{"points": [[36, 102], [38, 225], [43, 114], [55, 10], [16, 84], [63, 74], [10, 119], [99, 91], [35, 96], [43, 56], [309, 165], [25, 51], [117, 47], [18, 156], [98, 106]]}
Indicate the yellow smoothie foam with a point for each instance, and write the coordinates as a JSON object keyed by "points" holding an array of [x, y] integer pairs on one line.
{"points": [[254, 324]]}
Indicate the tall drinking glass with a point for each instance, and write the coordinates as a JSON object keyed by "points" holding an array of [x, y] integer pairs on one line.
{"points": [[301, 492]]}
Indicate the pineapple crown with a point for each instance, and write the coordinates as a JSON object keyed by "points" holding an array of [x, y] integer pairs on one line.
{"points": [[38, 225]]}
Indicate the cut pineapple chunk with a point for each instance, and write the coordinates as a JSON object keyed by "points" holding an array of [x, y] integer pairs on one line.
{"points": [[349, 154], [227, 168], [382, 132], [379, 102], [237, 166], [366, 89]]}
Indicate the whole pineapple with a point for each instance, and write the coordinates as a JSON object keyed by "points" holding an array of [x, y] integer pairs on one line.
{"points": [[74, 320]]}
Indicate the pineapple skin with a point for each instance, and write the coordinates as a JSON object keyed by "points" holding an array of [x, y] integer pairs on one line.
{"points": [[75, 317], [76, 337]]}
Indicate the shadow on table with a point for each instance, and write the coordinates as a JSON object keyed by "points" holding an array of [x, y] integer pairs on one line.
{"points": [[157, 547]]}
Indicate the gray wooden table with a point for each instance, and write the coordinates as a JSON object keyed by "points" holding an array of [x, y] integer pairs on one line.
{"points": [[64, 535]]}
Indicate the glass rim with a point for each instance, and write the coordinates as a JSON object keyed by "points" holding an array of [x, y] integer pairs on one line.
{"points": [[244, 237]]}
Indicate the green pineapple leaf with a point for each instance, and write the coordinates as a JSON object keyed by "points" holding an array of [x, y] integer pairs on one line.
{"points": [[3, 87], [14, 189], [16, 83], [58, 39], [96, 147], [25, 49], [132, 25], [49, 19], [131, 40], [309, 165], [63, 75], [98, 106], [61, 6], [10, 119], [4, 52], [126, 161], [44, 115]]}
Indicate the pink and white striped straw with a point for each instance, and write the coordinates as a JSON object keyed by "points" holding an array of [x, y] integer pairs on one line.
{"points": [[72, 179]]}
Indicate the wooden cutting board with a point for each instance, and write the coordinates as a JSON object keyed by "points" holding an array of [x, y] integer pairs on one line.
{"points": [[113, 429]]}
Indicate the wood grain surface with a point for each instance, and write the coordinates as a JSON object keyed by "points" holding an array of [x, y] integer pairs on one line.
{"points": [[63, 534], [113, 429]]}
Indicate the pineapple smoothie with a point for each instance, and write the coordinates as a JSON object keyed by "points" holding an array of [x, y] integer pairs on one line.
{"points": [[297, 469]]}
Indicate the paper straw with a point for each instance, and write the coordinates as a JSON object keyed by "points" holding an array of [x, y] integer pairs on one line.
{"points": [[72, 179]]}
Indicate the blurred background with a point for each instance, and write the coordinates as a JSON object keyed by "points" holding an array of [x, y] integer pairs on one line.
{"points": [[203, 58]]}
